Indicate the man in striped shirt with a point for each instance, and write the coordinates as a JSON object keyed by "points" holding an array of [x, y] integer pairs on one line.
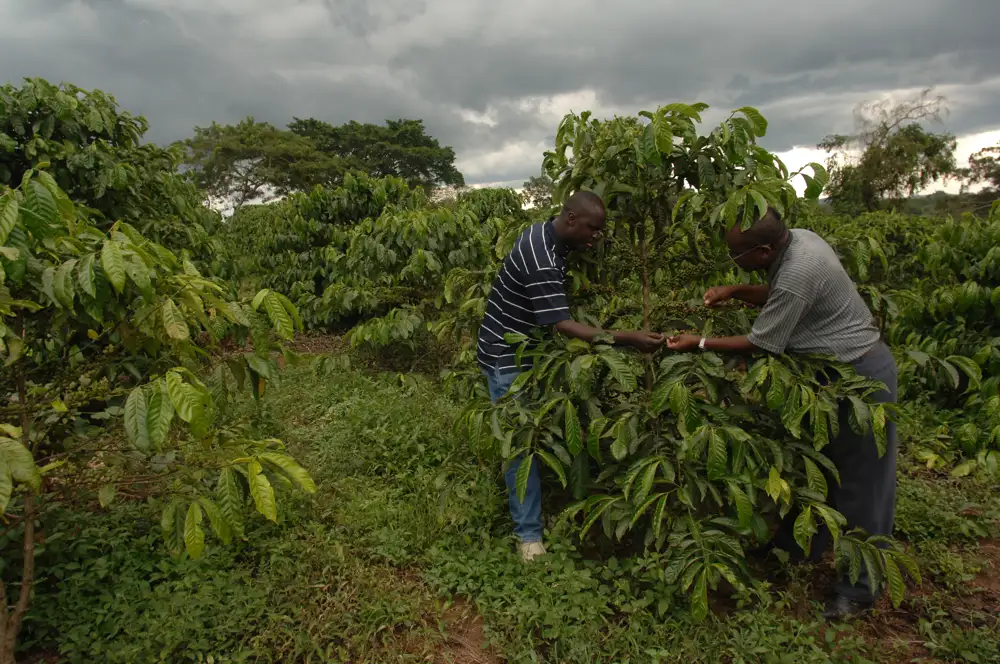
{"points": [[810, 305], [529, 292]]}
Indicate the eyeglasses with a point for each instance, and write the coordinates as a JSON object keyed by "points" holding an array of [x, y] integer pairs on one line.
{"points": [[750, 250]]}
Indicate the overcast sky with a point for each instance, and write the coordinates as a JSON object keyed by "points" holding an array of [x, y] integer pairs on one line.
{"points": [[492, 78]]}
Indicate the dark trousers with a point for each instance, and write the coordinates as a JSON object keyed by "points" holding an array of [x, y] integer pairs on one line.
{"points": [[866, 495]]}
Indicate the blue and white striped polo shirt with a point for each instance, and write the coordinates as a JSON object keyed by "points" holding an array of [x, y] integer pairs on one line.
{"points": [[529, 292]]}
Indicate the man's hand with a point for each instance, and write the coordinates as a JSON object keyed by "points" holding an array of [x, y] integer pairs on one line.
{"points": [[718, 294], [683, 343], [647, 342]]}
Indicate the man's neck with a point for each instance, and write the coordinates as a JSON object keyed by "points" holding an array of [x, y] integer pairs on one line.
{"points": [[559, 232]]}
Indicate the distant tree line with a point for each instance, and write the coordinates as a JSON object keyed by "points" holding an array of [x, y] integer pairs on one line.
{"points": [[254, 160], [892, 156]]}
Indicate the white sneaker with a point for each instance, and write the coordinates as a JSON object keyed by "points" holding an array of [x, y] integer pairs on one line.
{"points": [[531, 550]]}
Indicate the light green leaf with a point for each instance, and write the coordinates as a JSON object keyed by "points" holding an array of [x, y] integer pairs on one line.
{"points": [[259, 298], [804, 529], [6, 488], [216, 519], [262, 492], [573, 434], [717, 454], [619, 450], [230, 496], [594, 435], [168, 526], [194, 534], [291, 467], [114, 265], [40, 208], [814, 477], [833, 519], [9, 208], [879, 426], [658, 515], [187, 400], [106, 494], [553, 463], [860, 415], [646, 483], [19, 463], [821, 431], [757, 121], [744, 508], [173, 321], [159, 414], [521, 482], [85, 275], [775, 486], [969, 368], [136, 415], [278, 316], [897, 587], [139, 274], [699, 599], [48, 285], [620, 371]]}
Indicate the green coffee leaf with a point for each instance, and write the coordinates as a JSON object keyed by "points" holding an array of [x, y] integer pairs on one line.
{"points": [[194, 535]]}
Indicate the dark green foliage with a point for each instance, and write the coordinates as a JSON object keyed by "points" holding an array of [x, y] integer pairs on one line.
{"points": [[401, 148], [96, 155]]}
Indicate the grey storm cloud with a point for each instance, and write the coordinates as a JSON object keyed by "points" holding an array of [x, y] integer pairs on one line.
{"points": [[491, 78]]}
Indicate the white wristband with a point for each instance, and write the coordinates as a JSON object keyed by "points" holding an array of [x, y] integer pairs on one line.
{"points": [[701, 344]]}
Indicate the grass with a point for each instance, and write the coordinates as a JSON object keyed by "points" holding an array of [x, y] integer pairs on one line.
{"points": [[405, 555]]}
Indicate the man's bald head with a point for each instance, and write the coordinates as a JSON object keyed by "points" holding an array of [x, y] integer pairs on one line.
{"points": [[581, 220], [758, 246]]}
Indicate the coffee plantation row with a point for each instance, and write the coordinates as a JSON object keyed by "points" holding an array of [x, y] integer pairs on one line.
{"points": [[131, 316], [691, 455]]}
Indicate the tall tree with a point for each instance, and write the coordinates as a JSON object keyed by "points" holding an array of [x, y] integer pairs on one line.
{"points": [[401, 148], [254, 160], [538, 191], [984, 168], [890, 156]]}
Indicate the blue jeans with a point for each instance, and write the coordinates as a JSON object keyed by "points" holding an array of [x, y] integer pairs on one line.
{"points": [[527, 516]]}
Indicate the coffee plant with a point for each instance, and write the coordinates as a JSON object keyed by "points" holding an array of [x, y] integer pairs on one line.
{"points": [[96, 155], [106, 325], [693, 454]]}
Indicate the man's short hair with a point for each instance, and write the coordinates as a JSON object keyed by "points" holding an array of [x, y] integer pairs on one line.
{"points": [[583, 202], [768, 229]]}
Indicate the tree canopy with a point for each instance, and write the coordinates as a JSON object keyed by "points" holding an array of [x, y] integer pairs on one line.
{"points": [[538, 190], [401, 148], [984, 168], [255, 161], [896, 155]]}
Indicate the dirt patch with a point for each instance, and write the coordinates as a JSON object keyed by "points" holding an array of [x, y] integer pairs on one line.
{"points": [[317, 344], [464, 638], [989, 578]]}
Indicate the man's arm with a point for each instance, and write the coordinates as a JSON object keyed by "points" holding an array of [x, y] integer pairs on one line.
{"points": [[688, 342], [647, 342], [751, 294], [771, 331]]}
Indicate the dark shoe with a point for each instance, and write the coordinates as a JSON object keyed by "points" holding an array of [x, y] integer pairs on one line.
{"points": [[842, 608]]}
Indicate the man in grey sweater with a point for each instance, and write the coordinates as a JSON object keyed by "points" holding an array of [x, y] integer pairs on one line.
{"points": [[810, 305]]}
